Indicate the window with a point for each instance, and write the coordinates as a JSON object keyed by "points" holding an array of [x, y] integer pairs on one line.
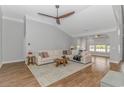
{"points": [[92, 48], [100, 48], [108, 48]]}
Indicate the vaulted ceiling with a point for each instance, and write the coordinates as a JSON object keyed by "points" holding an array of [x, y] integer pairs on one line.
{"points": [[87, 18]]}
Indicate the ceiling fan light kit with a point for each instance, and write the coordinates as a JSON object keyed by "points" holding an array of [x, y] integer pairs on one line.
{"points": [[57, 18]]}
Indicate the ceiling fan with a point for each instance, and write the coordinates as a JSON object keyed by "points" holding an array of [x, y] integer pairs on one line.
{"points": [[57, 18]]}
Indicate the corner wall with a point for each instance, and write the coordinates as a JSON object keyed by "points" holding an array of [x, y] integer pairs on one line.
{"points": [[118, 14], [12, 40], [115, 49]]}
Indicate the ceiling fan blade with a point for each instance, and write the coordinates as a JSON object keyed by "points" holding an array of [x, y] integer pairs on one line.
{"points": [[66, 15], [58, 21], [47, 15]]}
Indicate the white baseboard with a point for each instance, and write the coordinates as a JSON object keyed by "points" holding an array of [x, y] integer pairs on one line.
{"points": [[13, 61]]}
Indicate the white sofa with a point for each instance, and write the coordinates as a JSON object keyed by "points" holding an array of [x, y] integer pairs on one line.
{"points": [[53, 54], [86, 56]]}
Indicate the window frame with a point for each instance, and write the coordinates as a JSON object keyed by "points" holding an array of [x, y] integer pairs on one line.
{"points": [[105, 49]]}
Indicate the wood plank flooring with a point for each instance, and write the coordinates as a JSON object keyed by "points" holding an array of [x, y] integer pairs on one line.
{"points": [[90, 76], [17, 74]]}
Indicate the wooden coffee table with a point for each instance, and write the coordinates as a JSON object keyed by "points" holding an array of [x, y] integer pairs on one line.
{"points": [[60, 61]]}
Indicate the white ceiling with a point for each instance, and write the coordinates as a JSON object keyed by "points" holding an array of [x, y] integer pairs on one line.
{"points": [[86, 19]]}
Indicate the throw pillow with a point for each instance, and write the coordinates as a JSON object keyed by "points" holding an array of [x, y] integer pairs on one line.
{"points": [[41, 54], [65, 52], [46, 54]]}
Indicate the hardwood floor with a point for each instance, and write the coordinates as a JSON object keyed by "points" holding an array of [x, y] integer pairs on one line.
{"points": [[90, 76], [17, 74]]}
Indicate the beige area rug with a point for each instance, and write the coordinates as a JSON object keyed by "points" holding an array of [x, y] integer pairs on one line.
{"points": [[49, 73]]}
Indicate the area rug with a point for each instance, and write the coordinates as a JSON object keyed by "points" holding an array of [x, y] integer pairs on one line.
{"points": [[49, 73]]}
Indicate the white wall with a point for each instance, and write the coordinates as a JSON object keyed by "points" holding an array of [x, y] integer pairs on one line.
{"points": [[90, 40], [83, 43], [113, 40], [106, 41], [0, 35], [42, 36], [13, 40], [118, 13], [115, 52]]}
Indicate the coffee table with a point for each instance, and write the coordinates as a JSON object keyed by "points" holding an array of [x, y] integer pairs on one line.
{"points": [[60, 61]]}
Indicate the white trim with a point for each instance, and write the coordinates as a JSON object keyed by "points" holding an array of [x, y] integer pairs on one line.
{"points": [[96, 32], [35, 19], [13, 19], [13, 61]]}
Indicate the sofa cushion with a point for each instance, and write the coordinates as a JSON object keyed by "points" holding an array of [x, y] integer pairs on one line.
{"points": [[74, 52], [84, 53], [39, 58], [43, 54], [67, 52], [51, 53], [40, 55], [58, 53], [47, 59]]}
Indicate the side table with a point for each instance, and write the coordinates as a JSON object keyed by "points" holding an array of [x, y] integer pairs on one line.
{"points": [[31, 60]]}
